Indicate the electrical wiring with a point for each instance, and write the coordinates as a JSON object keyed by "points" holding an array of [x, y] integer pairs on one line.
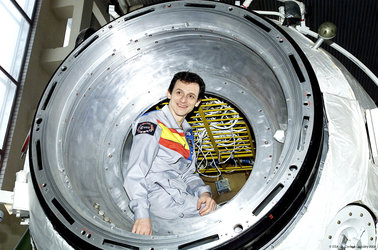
{"points": [[226, 128], [231, 154], [198, 165]]}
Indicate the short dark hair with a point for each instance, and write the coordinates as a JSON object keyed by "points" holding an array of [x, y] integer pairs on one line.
{"points": [[187, 76]]}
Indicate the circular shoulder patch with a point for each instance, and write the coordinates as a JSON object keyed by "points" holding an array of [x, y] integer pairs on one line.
{"points": [[146, 128]]}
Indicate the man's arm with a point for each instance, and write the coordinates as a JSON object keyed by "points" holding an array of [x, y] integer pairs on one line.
{"points": [[143, 151], [195, 184], [197, 187]]}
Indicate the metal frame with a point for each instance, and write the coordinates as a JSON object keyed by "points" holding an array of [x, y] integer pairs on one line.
{"points": [[75, 108]]}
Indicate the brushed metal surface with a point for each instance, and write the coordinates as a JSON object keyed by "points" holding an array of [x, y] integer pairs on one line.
{"points": [[81, 132]]}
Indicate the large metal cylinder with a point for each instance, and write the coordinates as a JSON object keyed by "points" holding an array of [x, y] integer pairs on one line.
{"points": [[81, 132]]}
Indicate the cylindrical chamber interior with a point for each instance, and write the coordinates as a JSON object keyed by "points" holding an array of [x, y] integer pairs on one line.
{"points": [[106, 127], [98, 104]]}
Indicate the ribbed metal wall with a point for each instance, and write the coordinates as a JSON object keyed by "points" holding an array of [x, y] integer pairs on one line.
{"points": [[357, 31]]}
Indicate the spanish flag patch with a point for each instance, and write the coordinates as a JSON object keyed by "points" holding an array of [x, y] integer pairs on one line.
{"points": [[174, 140]]}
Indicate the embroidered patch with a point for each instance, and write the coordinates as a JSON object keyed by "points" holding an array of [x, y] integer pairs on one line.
{"points": [[146, 128]]}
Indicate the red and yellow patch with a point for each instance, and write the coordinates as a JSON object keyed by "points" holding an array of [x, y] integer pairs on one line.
{"points": [[174, 140]]}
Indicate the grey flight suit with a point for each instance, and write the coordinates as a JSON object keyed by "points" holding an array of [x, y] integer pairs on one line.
{"points": [[160, 176]]}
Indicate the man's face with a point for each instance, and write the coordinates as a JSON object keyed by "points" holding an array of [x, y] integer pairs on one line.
{"points": [[183, 99]]}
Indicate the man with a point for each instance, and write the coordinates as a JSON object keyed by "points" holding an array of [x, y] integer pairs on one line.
{"points": [[160, 178]]}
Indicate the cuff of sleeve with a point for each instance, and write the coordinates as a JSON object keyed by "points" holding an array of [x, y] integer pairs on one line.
{"points": [[140, 208], [141, 213], [204, 189]]}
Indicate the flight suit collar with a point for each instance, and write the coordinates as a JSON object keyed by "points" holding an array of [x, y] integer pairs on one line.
{"points": [[172, 120]]}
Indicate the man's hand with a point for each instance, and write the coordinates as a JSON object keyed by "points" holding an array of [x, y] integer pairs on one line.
{"points": [[210, 204], [142, 226]]}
